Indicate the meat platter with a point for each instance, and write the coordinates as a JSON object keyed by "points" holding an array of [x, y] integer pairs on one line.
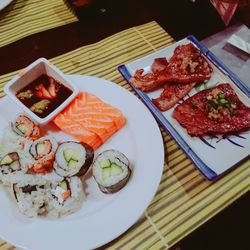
{"points": [[201, 103]]}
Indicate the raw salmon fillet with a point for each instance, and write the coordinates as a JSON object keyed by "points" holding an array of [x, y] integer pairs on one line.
{"points": [[90, 120]]}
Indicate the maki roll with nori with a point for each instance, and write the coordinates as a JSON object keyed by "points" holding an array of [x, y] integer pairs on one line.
{"points": [[73, 158], [111, 170], [25, 127]]}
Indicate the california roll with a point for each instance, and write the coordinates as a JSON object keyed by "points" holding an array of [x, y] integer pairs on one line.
{"points": [[43, 152], [11, 168], [25, 127], [31, 194], [66, 197]]}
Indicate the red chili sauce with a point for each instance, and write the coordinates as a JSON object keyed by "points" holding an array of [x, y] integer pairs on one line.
{"points": [[43, 95]]}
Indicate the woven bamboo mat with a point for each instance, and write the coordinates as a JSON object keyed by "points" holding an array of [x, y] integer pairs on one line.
{"points": [[26, 17], [184, 200]]}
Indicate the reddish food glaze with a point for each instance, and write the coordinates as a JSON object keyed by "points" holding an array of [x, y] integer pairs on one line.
{"points": [[215, 110], [171, 94], [187, 65]]}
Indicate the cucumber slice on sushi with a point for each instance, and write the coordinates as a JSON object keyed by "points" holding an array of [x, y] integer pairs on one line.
{"points": [[73, 158], [111, 170]]}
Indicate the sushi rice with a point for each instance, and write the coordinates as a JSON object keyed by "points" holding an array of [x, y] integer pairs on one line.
{"points": [[25, 127], [36, 194], [57, 206], [44, 176], [30, 193], [43, 152], [10, 142], [11, 168]]}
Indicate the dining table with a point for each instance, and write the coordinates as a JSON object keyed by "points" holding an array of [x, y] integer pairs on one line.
{"points": [[93, 38]]}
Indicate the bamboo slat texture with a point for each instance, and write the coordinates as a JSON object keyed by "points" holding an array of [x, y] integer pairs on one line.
{"points": [[26, 17]]}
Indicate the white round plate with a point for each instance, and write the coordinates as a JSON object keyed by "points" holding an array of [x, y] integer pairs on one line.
{"points": [[102, 217], [4, 3]]}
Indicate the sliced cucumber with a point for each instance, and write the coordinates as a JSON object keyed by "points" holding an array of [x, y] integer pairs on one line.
{"points": [[116, 170], [104, 164], [73, 164], [76, 154], [67, 154], [7, 160], [22, 128], [70, 153], [41, 148], [106, 173], [63, 185], [15, 165]]}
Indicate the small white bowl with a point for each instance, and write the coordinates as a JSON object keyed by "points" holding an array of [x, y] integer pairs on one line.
{"points": [[31, 73]]}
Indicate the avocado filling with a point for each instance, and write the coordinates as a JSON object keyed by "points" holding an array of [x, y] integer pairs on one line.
{"points": [[43, 148], [71, 156]]}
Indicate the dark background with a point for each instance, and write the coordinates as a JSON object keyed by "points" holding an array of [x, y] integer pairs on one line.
{"points": [[102, 18]]}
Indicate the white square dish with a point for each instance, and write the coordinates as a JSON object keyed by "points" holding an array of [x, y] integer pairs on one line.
{"points": [[26, 76], [212, 155]]}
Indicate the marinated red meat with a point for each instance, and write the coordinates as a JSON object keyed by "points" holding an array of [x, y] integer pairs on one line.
{"points": [[187, 65], [171, 94], [147, 82], [215, 110], [159, 65]]}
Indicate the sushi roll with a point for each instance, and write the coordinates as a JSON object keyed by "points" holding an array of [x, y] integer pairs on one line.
{"points": [[66, 197], [10, 163], [31, 195], [73, 158], [25, 127], [43, 152], [11, 168], [43, 147], [111, 170]]}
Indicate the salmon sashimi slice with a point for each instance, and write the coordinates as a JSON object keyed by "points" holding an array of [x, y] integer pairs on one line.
{"points": [[90, 120], [95, 115], [77, 130], [103, 108], [93, 121]]}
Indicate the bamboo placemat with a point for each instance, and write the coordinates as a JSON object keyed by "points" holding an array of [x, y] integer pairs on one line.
{"points": [[184, 200], [26, 17]]}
